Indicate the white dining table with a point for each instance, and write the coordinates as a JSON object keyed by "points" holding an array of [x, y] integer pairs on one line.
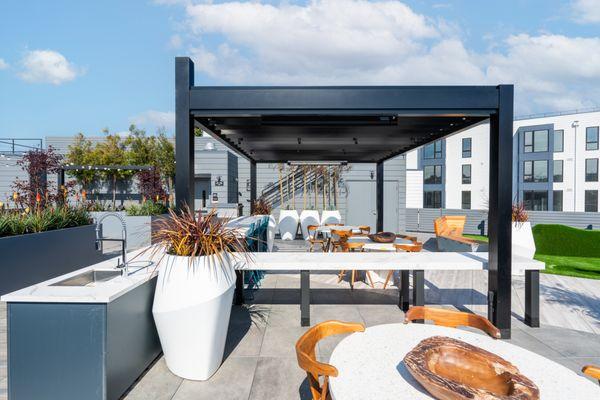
{"points": [[370, 365]]}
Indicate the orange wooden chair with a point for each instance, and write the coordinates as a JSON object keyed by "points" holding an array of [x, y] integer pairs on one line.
{"points": [[413, 247], [307, 359], [350, 247], [451, 319], [592, 371], [364, 229], [312, 237], [338, 238]]}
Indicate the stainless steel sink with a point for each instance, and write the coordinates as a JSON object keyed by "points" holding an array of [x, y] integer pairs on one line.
{"points": [[89, 278]]}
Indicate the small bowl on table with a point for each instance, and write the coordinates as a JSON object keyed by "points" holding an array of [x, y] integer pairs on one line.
{"points": [[383, 237]]}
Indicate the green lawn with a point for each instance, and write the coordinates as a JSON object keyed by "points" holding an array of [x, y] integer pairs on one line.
{"points": [[563, 247], [581, 267], [477, 237]]}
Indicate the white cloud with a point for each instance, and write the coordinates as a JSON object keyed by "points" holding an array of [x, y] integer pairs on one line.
{"points": [[152, 119], [47, 66], [384, 42], [175, 42], [586, 11], [3, 64]]}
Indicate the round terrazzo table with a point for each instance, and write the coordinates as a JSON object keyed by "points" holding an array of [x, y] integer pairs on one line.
{"points": [[370, 365]]}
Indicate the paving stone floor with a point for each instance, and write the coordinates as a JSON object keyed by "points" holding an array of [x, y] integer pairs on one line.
{"points": [[260, 360]]}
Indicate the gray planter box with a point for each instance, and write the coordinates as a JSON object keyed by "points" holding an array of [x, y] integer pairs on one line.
{"points": [[37, 257], [139, 229]]}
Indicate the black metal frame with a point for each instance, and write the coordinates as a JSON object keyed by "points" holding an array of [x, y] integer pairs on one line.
{"points": [[207, 107]]}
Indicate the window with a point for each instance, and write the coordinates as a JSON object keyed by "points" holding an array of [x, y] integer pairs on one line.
{"points": [[432, 174], [591, 170], [535, 171], [466, 147], [558, 171], [535, 200], [591, 200], [535, 141], [466, 173], [559, 140], [466, 200], [591, 138], [557, 200], [432, 199], [433, 150]]}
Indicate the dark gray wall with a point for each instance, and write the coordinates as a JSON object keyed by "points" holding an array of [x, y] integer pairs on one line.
{"points": [[36, 257]]}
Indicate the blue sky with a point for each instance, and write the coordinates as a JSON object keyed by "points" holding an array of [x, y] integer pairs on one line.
{"points": [[71, 66]]}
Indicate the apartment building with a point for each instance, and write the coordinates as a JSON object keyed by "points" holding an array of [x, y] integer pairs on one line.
{"points": [[555, 166]]}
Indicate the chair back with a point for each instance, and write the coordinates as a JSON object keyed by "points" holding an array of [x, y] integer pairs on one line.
{"points": [[592, 371], [352, 246], [307, 359], [364, 229], [340, 236], [450, 225], [451, 319]]}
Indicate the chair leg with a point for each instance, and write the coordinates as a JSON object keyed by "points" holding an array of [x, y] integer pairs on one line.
{"points": [[370, 279], [352, 279], [341, 275], [387, 279]]}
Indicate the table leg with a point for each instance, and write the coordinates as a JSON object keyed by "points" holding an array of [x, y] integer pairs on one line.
{"points": [[238, 297], [404, 301], [305, 297], [532, 298], [419, 289]]}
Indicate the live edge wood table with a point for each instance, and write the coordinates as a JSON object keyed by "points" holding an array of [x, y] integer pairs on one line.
{"points": [[418, 263], [376, 355]]}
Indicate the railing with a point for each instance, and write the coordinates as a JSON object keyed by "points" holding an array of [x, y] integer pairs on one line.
{"points": [[271, 192], [15, 146], [557, 113]]}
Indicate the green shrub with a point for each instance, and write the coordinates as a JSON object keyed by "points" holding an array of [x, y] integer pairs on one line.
{"points": [[147, 208], [20, 223], [562, 240]]}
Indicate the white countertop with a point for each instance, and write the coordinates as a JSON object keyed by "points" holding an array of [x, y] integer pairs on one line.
{"points": [[103, 292], [375, 357], [377, 261]]}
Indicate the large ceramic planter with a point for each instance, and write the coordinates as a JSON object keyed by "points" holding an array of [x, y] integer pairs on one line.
{"points": [[331, 217], [523, 244], [307, 218], [192, 305], [288, 224]]}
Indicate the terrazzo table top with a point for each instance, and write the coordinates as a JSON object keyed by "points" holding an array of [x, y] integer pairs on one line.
{"points": [[370, 365]]}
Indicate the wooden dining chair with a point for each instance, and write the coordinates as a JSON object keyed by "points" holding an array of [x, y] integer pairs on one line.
{"points": [[353, 247], [364, 229], [338, 238], [451, 319], [312, 238], [307, 360], [414, 247], [592, 371]]}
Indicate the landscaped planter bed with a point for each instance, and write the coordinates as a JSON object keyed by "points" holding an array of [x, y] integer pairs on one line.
{"points": [[35, 257]]}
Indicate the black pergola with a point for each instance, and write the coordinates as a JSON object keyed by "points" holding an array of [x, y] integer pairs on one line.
{"points": [[356, 124]]}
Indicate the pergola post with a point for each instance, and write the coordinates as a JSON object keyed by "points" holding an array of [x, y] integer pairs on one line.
{"points": [[379, 198], [184, 133], [500, 202], [252, 185]]}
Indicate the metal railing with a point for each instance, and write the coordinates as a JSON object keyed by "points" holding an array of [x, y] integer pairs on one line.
{"points": [[17, 146], [557, 113]]}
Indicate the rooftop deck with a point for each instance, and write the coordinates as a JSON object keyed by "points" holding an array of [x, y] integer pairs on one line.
{"points": [[260, 361]]}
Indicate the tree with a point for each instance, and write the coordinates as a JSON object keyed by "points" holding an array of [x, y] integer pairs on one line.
{"points": [[81, 152], [165, 158], [35, 192], [112, 152]]}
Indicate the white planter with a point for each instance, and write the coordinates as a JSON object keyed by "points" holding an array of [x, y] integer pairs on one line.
{"points": [[288, 224], [331, 217], [192, 305], [523, 244], [307, 218]]}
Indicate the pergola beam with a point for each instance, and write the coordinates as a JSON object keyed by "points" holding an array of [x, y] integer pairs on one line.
{"points": [[184, 137]]}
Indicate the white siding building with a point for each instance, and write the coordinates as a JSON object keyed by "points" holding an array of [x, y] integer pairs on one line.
{"points": [[555, 166]]}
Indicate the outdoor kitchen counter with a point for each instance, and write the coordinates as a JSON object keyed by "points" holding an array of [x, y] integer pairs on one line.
{"points": [[82, 342], [103, 292]]}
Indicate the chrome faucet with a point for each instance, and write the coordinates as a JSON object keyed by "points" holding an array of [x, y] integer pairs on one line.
{"points": [[123, 239]]}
